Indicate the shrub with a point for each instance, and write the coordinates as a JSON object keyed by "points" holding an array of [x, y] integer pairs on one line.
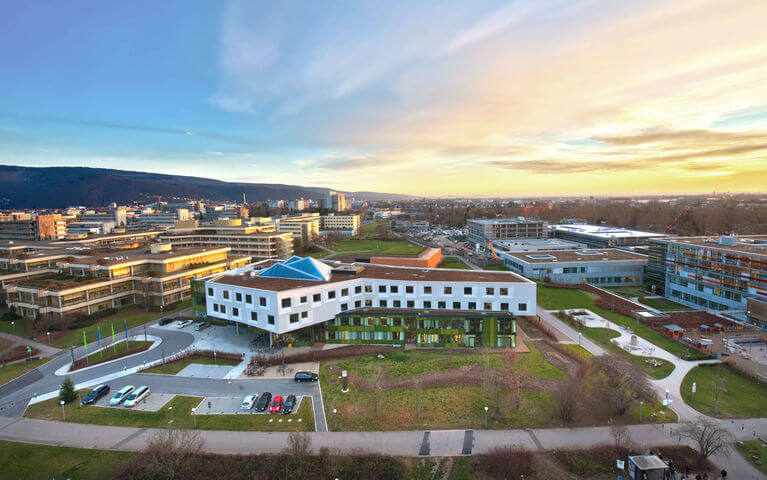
{"points": [[506, 462], [317, 355]]}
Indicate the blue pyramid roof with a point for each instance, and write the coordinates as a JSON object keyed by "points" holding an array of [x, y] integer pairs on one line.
{"points": [[304, 268]]}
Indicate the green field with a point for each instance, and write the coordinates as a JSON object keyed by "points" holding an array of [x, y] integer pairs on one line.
{"points": [[172, 368], [453, 262], [384, 247], [119, 347], [369, 229], [31, 462], [176, 413], [752, 451], [75, 337], [663, 304], [569, 298], [739, 396], [632, 291], [15, 370], [499, 267], [21, 326]]}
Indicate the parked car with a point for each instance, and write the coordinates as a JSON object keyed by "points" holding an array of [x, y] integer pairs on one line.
{"points": [[136, 396], [166, 320], [289, 405], [95, 394], [248, 401], [184, 323], [121, 395], [263, 402], [276, 405], [202, 326], [306, 377]]}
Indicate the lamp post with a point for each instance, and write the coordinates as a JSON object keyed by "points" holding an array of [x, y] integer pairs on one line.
{"points": [[485, 417], [49, 337], [63, 412], [667, 392], [335, 420], [194, 418], [163, 360], [579, 338], [145, 339], [13, 325], [640, 410]]}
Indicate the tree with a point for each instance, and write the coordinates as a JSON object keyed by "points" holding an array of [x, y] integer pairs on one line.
{"points": [[67, 393], [169, 450], [299, 444], [622, 438], [709, 437]]}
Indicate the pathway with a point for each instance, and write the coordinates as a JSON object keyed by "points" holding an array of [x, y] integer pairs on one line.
{"points": [[45, 349]]}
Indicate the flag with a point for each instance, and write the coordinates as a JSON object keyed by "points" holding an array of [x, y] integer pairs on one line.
{"points": [[125, 324], [99, 330], [85, 340], [113, 333]]}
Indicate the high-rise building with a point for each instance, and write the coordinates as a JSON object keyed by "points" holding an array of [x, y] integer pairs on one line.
{"points": [[21, 226], [335, 201]]}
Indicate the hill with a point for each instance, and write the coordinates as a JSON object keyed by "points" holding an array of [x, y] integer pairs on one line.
{"points": [[58, 187]]}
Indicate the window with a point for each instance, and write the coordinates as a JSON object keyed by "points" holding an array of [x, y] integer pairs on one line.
{"points": [[488, 306], [456, 305], [396, 303], [467, 290], [215, 307], [316, 297], [248, 298], [210, 292], [285, 302], [394, 289], [427, 290], [303, 299], [410, 304], [382, 303], [409, 289], [357, 304], [344, 292], [448, 290], [368, 303], [441, 305], [522, 307], [426, 304], [254, 316], [262, 301], [223, 309], [344, 307], [358, 289], [368, 288], [504, 306], [238, 296], [332, 294], [382, 289], [270, 319], [489, 291], [235, 312], [226, 294], [503, 291], [472, 305], [304, 314], [293, 318]]}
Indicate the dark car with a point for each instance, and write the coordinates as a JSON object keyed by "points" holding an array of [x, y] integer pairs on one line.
{"points": [[263, 401], [289, 405], [306, 377], [95, 394], [166, 320]]}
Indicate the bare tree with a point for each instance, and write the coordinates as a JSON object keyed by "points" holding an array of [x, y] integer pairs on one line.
{"points": [[719, 388], [709, 437], [299, 444], [621, 437], [169, 450]]}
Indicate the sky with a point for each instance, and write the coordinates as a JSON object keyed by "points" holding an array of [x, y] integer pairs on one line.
{"points": [[443, 98]]}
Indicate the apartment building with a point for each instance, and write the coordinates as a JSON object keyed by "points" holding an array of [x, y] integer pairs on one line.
{"points": [[603, 267], [32, 227], [89, 228], [78, 281], [594, 236], [481, 230], [335, 201], [306, 226], [344, 224], [303, 299], [256, 241], [714, 273]]}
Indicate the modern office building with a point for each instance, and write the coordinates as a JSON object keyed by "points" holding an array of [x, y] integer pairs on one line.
{"points": [[118, 216], [335, 201], [303, 299], [481, 230], [148, 220], [603, 267], [344, 224], [86, 281], [90, 228], [535, 245], [713, 273], [32, 227], [256, 241], [595, 236], [306, 226]]}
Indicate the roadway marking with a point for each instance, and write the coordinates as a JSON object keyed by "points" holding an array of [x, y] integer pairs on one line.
{"points": [[425, 447], [535, 439], [468, 442], [128, 438]]}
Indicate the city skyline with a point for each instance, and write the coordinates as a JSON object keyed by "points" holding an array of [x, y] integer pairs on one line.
{"points": [[487, 98]]}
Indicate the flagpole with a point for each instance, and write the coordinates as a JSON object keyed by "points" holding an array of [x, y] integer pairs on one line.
{"points": [[114, 345], [85, 345]]}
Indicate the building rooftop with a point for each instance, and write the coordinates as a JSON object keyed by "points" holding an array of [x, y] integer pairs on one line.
{"points": [[495, 221], [603, 232], [752, 244], [565, 256], [535, 244]]}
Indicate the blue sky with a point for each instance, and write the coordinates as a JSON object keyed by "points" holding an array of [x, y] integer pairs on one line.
{"points": [[480, 97]]}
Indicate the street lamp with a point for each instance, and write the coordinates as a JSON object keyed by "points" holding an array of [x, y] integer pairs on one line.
{"points": [[640, 410], [335, 420], [194, 418], [667, 392], [485, 417], [63, 412], [13, 325], [49, 337], [579, 338]]}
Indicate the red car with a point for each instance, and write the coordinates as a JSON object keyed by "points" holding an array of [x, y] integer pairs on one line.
{"points": [[276, 405]]}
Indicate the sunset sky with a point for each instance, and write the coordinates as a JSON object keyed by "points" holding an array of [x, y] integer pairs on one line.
{"points": [[556, 97]]}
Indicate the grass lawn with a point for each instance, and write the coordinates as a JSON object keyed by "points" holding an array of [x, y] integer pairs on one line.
{"points": [[21, 460], [567, 298], [664, 304], [453, 262], [75, 337], [21, 327], [752, 451], [742, 397], [628, 291], [172, 368], [369, 229], [387, 247], [499, 267], [177, 416], [9, 372]]}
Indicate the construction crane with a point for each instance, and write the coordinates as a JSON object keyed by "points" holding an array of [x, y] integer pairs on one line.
{"points": [[489, 246], [158, 197], [677, 218]]}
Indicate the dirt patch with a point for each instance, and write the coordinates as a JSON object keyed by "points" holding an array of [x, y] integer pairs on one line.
{"points": [[557, 358]]}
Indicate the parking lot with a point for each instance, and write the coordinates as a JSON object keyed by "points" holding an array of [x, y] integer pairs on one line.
{"points": [[150, 403], [231, 406]]}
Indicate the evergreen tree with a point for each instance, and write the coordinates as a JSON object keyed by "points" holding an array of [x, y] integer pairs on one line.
{"points": [[67, 392]]}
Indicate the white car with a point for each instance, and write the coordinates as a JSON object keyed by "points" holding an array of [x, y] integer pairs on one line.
{"points": [[183, 323], [121, 395], [247, 402], [139, 394]]}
